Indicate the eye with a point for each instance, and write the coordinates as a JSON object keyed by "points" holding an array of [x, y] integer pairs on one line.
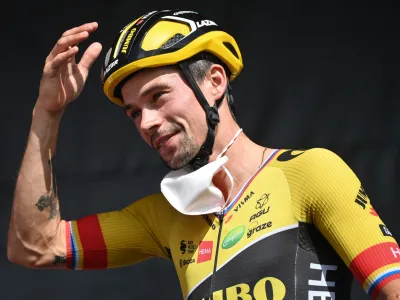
{"points": [[134, 114], [157, 95]]}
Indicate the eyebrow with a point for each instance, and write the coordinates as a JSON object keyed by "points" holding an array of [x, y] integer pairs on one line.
{"points": [[148, 91]]}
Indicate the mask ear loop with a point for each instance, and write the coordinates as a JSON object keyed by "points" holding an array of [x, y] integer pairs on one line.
{"points": [[230, 143], [226, 170]]}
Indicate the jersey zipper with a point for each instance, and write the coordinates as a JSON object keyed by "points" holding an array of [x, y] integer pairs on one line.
{"points": [[220, 218]]}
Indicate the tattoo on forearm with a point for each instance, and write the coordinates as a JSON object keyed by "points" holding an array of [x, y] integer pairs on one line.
{"points": [[50, 201], [60, 260]]}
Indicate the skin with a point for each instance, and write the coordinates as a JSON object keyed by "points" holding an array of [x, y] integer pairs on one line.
{"points": [[36, 236]]}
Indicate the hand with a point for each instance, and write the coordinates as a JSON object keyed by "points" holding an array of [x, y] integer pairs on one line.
{"points": [[63, 79]]}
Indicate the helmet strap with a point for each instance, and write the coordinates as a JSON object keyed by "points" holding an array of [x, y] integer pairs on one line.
{"points": [[212, 115]]}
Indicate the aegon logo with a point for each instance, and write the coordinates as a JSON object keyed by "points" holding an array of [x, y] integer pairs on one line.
{"points": [[233, 237], [205, 23], [128, 39], [259, 292]]}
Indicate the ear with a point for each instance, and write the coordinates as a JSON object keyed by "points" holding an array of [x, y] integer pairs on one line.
{"points": [[218, 81]]}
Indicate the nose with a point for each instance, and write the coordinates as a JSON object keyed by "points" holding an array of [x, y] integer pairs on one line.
{"points": [[150, 121]]}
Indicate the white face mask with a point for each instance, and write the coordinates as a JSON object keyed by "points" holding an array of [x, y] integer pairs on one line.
{"points": [[193, 193]]}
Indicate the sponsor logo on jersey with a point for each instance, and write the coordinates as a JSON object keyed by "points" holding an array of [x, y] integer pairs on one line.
{"points": [[262, 201], [362, 198], [205, 251], [259, 214], [228, 218], [243, 202], [395, 251], [288, 155], [373, 212], [185, 262], [209, 222], [316, 293], [188, 247], [255, 227], [265, 286], [233, 237], [385, 230], [183, 247]]}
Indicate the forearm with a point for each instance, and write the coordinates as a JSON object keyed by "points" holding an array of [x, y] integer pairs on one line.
{"points": [[35, 228]]}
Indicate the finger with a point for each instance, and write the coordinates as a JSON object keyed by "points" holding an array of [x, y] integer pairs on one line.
{"points": [[90, 56], [89, 27], [51, 68], [67, 42]]}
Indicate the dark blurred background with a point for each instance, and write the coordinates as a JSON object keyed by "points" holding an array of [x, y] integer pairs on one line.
{"points": [[316, 74]]}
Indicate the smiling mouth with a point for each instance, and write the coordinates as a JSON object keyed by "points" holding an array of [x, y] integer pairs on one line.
{"points": [[160, 142]]}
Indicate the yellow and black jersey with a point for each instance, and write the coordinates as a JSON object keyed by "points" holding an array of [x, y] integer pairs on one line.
{"points": [[302, 227]]}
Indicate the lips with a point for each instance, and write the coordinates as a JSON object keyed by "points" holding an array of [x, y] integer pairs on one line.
{"points": [[160, 141]]}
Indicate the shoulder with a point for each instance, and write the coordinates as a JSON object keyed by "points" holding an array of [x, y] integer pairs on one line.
{"points": [[315, 155], [305, 160], [151, 202], [314, 167]]}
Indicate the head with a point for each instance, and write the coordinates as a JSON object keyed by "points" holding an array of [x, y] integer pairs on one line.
{"points": [[164, 75]]}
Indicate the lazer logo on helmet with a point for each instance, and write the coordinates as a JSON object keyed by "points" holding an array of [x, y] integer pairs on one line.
{"points": [[205, 23], [114, 63], [128, 39]]}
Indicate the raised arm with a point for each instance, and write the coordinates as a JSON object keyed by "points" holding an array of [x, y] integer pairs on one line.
{"points": [[36, 235]]}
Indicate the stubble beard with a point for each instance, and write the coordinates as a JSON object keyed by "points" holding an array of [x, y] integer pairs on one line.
{"points": [[187, 150]]}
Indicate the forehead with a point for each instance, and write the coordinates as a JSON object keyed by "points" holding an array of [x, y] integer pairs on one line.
{"points": [[147, 78]]}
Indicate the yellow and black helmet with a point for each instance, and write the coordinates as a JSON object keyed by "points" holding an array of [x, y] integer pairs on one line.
{"points": [[172, 37], [165, 37]]}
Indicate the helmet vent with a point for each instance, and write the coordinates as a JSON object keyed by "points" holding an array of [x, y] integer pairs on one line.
{"points": [[231, 48], [172, 41]]}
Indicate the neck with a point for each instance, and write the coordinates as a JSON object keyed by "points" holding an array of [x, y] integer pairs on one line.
{"points": [[245, 157]]}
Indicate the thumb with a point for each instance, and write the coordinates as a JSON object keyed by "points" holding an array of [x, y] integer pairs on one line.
{"points": [[90, 56]]}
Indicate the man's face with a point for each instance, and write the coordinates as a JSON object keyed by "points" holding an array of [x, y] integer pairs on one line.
{"points": [[166, 113]]}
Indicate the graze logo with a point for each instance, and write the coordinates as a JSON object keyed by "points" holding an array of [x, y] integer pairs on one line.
{"points": [[265, 288], [233, 237], [242, 202], [205, 251], [205, 23], [209, 222], [254, 227], [184, 262], [385, 230], [128, 39], [262, 201], [259, 214], [362, 198], [321, 282]]}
